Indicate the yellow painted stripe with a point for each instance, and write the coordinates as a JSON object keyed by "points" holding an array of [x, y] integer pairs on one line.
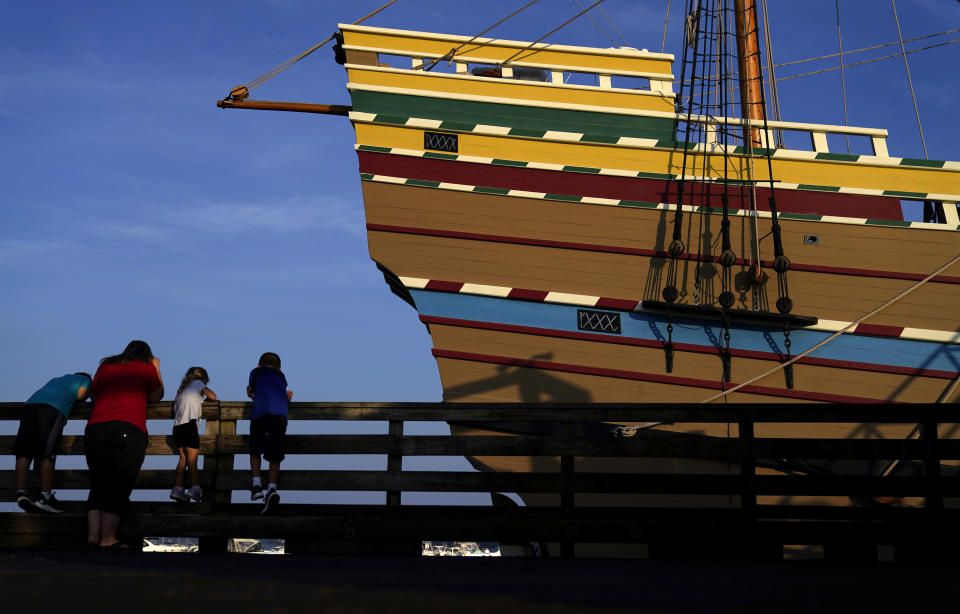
{"points": [[645, 159], [428, 84], [398, 42]]}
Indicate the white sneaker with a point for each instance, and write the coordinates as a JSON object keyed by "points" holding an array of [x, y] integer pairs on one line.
{"points": [[49, 504], [271, 502], [195, 493]]}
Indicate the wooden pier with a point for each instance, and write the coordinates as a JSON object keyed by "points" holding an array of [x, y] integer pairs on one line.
{"points": [[766, 509]]}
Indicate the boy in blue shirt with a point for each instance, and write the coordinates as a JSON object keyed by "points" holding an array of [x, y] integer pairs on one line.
{"points": [[38, 438], [268, 427]]}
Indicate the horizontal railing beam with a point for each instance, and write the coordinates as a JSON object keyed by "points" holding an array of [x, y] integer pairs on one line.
{"points": [[562, 412]]}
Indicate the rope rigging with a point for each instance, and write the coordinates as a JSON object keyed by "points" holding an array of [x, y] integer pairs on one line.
{"points": [[906, 65], [595, 23], [861, 62], [843, 80], [706, 62], [853, 324], [243, 91], [453, 52], [564, 24]]}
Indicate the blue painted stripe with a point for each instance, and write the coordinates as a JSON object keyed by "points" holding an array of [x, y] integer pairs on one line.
{"points": [[856, 348]]}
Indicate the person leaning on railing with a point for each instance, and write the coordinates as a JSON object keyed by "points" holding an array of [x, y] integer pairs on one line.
{"points": [[115, 440]]}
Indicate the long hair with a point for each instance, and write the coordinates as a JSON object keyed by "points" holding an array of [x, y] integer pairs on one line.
{"points": [[193, 374], [136, 350]]}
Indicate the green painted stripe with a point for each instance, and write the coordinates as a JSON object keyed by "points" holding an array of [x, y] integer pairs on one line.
{"points": [[563, 197], [423, 183], [511, 115], [811, 217], [918, 195], [818, 188], [375, 148], [462, 127], [365, 176], [656, 175], [390, 119], [600, 138], [581, 169], [837, 157], [638, 203], [497, 191], [500, 162], [919, 162], [888, 223], [718, 210], [757, 151], [537, 134], [675, 144], [440, 156]]}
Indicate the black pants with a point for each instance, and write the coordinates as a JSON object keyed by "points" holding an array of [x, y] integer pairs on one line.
{"points": [[115, 452]]}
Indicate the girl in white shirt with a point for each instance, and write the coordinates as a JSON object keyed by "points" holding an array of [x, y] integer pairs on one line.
{"points": [[186, 414]]}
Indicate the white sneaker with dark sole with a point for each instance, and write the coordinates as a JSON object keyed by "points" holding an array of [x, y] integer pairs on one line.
{"points": [[49, 505], [25, 501], [271, 503]]}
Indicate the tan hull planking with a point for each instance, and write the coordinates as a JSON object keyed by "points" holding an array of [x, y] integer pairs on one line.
{"points": [[814, 378]]}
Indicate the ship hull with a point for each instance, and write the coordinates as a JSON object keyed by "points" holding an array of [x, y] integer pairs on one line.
{"points": [[528, 223]]}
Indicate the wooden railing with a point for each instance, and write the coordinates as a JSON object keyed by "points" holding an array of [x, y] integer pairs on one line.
{"points": [[566, 440]]}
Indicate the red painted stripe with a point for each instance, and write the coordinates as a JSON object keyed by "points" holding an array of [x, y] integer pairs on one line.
{"points": [[616, 303], [634, 251], [651, 377], [624, 188], [528, 295], [878, 330], [444, 286], [690, 347]]}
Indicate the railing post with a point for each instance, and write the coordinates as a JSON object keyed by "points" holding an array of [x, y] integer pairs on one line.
{"points": [[931, 463], [748, 467], [567, 492], [217, 465], [394, 459]]}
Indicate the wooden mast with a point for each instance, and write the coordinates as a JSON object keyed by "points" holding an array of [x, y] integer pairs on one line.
{"points": [[748, 55]]}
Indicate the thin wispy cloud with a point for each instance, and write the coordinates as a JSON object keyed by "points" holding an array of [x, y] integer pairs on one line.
{"points": [[294, 215], [290, 215], [17, 251]]}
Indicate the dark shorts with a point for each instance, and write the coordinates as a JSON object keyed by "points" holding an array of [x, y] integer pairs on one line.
{"points": [[115, 452], [41, 427], [187, 435], [266, 436]]}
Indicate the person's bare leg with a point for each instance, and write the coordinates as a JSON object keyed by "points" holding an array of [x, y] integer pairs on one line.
{"points": [[274, 472], [23, 472], [181, 464], [93, 527], [191, 459], [47, 467], [255, 465], [109, 523]]}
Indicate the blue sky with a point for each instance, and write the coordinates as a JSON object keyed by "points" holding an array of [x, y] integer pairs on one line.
{"points": [[134, 208]]}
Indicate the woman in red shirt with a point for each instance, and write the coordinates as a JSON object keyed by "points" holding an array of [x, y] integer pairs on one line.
{"points": [[115, 440]]}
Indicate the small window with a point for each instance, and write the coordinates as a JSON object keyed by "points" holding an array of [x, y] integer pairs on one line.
{"points": [[599, 321], [440, 141]]}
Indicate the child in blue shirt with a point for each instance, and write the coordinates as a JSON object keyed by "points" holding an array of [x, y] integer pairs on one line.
{"points": [[38, 438], [268, 427]]}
